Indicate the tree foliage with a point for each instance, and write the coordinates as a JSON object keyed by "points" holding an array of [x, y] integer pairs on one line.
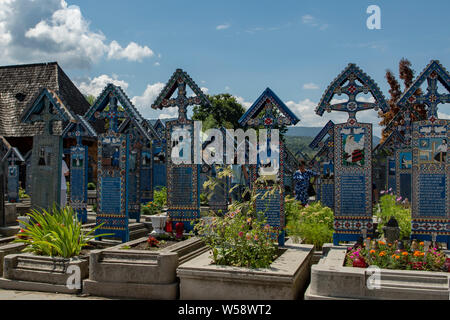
{"points": [[406, 73], [224, 111]]}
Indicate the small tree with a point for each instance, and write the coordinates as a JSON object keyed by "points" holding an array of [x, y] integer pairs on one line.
{"points": [[407, 75]]}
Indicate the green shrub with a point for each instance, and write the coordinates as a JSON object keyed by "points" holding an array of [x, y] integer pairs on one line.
{"points": [[392, 206], [160, 197], [312, 224], [55, 233], [91, 186]]}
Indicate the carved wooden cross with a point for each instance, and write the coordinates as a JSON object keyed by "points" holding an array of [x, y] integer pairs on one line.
{"points": [[113, 114], [181, 101], [47, 117]]}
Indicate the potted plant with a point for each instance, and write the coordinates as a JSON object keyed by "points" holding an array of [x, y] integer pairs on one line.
{"points": [[244, 260], [377, 269], [53, 241]]}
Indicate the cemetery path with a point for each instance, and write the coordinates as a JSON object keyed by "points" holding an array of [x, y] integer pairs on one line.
{"points": [[29, 295]]}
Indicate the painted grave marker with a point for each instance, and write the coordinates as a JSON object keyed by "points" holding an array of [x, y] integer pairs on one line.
{"points": [[138, 183], [325, 156], [352, 153], [113, 162], [46, 158], [269, 111], [430, 158], [183, 177], [79, 165]]}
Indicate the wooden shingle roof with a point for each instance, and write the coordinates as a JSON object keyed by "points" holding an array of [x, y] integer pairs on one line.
{"points": [[20, 84]]}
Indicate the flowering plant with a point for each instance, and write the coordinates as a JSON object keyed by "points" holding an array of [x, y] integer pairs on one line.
{"points": [[152, 242], [241, 238], [151, 208], [388, 256]]}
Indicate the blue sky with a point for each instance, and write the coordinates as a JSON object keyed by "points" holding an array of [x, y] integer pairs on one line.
{"points": [[241, 47]]}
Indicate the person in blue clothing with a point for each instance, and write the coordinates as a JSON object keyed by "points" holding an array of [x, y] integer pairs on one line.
{"points": [[302, 179]]}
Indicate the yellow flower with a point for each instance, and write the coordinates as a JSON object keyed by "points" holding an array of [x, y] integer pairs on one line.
{"points": [[372, 251], [382, 243], [421, 243], [382, 254], [405, 253], [397, 257]]}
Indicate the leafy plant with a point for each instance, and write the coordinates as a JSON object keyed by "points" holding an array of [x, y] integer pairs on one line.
{"points": [[22, 194], [160, 197], [91, 186], [312, 224], [203, 199], [56, 233], [392, 206]]}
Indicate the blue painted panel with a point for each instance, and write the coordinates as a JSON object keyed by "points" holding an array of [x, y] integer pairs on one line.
{"points": [[159, 175], [353, 195], [113, 168], [432, 191], [146, 182], [327, 193], [78, 181], [405, 186]]}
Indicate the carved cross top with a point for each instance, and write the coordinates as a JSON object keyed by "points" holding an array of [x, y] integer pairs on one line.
{"points": [[113, 115], [181, 101], [47, 117]]}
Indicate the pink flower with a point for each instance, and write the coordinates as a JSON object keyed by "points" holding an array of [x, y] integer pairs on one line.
{"points": [[382, 192], [399, 199], [255, 237], [248, 236], [241, 234]]}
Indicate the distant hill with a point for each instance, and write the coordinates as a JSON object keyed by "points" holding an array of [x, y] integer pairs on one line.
{"points": [[313, 131]]}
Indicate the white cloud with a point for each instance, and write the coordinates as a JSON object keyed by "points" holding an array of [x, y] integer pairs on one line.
{"points": [[144, 102], [133, 52], [314, 22], [242, 101], [309, 19], [157, 64], [49, 30], [305, 111], [310, 86], [223, 26], [95, 86]]}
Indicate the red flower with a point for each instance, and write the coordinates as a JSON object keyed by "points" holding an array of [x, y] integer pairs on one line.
{"points": [[152, 242]]}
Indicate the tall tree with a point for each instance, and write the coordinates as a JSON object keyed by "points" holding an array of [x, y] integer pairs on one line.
{"points": [[407, 75], [224, 111]]}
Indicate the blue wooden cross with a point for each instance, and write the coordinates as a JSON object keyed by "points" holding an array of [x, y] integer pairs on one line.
{"points": [[113, 114]]}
